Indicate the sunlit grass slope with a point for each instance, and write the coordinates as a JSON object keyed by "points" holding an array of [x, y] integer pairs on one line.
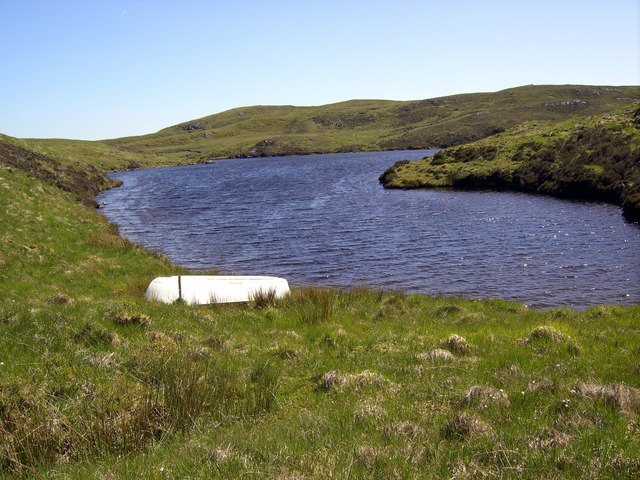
{"points": [[595, 157], [354, 125], [79, 154], [97, 383], [370, 124]]}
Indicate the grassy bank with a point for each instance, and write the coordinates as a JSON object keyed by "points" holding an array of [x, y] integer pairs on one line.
{"points": [[80, 154], [595, 158], [97, 383]]}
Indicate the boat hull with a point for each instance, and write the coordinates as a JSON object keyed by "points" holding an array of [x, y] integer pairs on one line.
{"points": [[209, 289]]}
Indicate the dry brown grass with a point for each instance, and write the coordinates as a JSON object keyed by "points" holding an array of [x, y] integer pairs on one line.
{"points": [[437, 355], [457, 344], [464, 426], [217, 343], [126, 314], [60, 299], [369, 411], [369, 455], [334, 380], [405, 428], [329, 381], [544, 385], [484, 396], [101, 360], [93, 334], [548, 439], [618, 395]]}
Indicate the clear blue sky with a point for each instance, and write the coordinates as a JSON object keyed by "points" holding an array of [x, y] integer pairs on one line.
{"points": [[93, 69]]}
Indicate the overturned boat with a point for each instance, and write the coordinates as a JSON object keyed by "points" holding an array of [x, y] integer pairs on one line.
{"points": [[208, 289]]}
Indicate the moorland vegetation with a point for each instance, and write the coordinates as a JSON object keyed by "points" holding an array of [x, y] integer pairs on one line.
{"points": [[95, 382], [594, 158]]}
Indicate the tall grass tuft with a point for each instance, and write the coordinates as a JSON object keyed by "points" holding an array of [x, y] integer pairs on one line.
{"points": [[130, 414], [29, 434], [126, 313], [263, 386], [264, 298], [360, 294], [314, 305], [92, 334]]}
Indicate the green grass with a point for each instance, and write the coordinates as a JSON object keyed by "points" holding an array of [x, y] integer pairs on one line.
{"points": [[372, 124], [80, 153], [357, 125], [588, 157], [97, 383]]}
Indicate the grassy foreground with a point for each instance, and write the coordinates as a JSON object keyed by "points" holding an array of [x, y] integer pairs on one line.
{"points": [[97, 383]]}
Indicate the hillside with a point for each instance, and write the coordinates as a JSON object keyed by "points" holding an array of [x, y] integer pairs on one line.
{"points": [[97, 383], [370, 124], [595, 158], [355, 125], [80, 177], [78, 154]]}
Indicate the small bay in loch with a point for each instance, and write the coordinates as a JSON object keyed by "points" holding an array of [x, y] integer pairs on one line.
{"points": [[325, 220]]}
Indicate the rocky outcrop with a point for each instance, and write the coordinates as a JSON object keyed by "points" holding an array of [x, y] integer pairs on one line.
{"points": [[566, 105], [192, 127]]}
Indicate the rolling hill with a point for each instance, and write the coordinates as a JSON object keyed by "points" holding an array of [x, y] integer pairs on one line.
{"points": [[361, 125]]}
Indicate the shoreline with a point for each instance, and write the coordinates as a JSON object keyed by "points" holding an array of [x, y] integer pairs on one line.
{"points": [[540, 303], [594, 158]]}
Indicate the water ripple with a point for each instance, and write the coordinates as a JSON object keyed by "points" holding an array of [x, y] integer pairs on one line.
{"points": [[324, 219]]}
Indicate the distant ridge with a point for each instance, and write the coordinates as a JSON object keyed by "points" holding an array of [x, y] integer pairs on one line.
{"points": [[360, 125], [351, 126]]}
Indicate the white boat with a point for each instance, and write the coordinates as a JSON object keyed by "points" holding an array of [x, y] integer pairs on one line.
{"points": [[207, 289]]}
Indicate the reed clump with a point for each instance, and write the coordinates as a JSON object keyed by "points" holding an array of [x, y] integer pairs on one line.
{"points": [[464, 426], [314, 305], [264, 298], [545, 333], [436, 355], [484, 396], [617, 395]]}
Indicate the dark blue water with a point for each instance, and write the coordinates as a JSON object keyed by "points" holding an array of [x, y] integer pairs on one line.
{"points": [[325, 220]]}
